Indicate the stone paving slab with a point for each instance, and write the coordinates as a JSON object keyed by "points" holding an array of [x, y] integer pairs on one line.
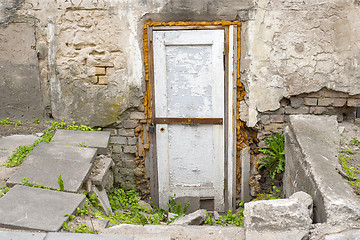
{"points": [[46, 171], [84, 236], [57, 151], [7, 146], [351, 234], [5, 235], [37, 209], [97, 139]]}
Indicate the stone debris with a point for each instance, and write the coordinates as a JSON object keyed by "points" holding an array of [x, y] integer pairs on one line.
{"points": [[101, 173], [96, 139], [278, 215], [196, 218], [37, 209]]}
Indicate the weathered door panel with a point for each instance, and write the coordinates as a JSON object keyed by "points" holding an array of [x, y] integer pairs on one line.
{"points": [[189, 84]]}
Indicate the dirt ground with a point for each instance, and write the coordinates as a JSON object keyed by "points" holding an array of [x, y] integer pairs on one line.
{"points": [[349, 153], [26, 128]]}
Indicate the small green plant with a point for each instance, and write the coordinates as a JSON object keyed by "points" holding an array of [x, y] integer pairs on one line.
{"points": [[355, 141], [177, 208], [26, 182], [17, 123], [209, 219], [36, 121], [275, 193], [4, 122], [83, 228], [61, 184], [82, 145], [229, 218], [275, 161], [3, 190], [347, 151]]}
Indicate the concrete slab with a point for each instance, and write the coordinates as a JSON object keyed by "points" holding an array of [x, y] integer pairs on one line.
{"points": [[311, 151], [38, 209], [46, 171], [7, 146], [6, 235], [84, 236], [180, 232], [104, 200], [57, 151], [13, 141], [97, 139], [285, 235]]}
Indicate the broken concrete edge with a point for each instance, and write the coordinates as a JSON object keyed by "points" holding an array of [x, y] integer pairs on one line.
{"points": [[311, 146], [279, 215], [99, 178]]}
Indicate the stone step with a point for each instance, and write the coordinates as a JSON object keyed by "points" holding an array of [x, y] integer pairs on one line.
{"points": [[46, 171], [37, 209], [58, 151], [96, 139], [85, 236]]}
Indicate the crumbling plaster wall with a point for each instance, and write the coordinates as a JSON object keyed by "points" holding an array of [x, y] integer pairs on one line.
{"points": [[90, 51], [298, 46]]}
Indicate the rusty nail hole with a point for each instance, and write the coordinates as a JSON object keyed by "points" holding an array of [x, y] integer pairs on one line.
{"points": [[162, 129]]}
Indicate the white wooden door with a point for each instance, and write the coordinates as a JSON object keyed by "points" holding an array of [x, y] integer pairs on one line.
{"points": [[189, 114]]}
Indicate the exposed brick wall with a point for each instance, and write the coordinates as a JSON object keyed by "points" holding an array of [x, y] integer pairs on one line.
{"points": [[323, 102], [129, 168]]}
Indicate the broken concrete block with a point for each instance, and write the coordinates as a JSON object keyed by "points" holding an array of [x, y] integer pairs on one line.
{"points": [[101, 174], [195, 218], [37, 209], [7, 235], [304, 199], [277, 215], [96, 139], [311, 152]]}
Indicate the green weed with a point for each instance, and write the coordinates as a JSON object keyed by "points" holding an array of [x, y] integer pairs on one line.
{"points": [[230, 218], [275, 161], [355, 141], [275, 193]]}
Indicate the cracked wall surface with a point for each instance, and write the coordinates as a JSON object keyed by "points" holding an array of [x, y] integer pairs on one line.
{"points": [[299, 46]]}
